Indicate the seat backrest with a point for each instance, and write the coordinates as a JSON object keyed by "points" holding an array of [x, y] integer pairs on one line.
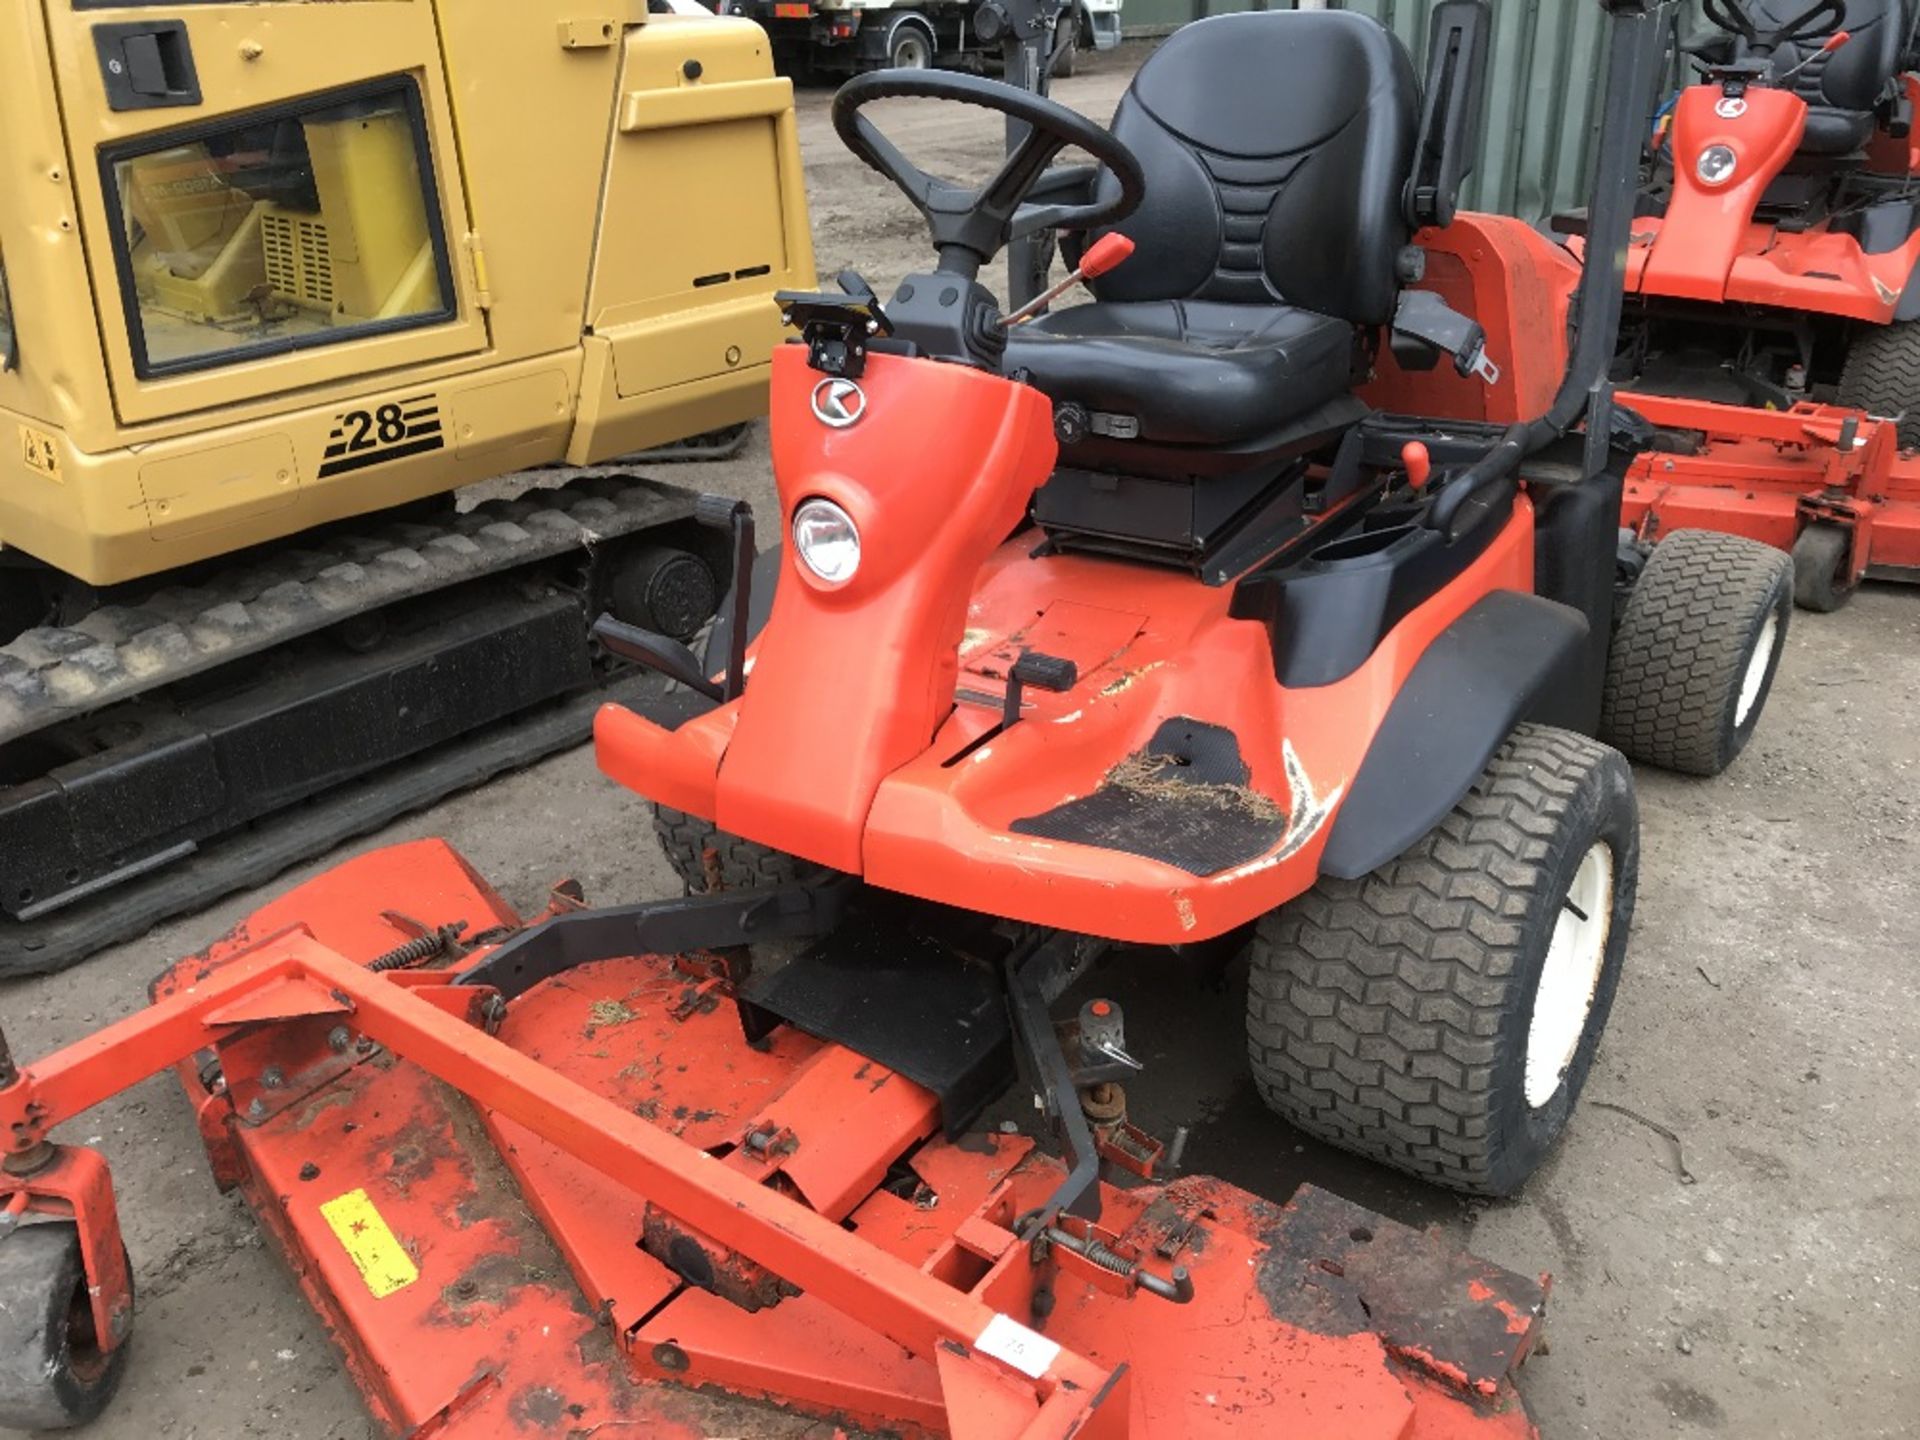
{"points": [[1277, 146], [1855, 76]]}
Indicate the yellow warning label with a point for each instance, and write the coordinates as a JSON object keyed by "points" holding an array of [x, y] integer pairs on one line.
{"points": [[382, 1261], [39, 451]]}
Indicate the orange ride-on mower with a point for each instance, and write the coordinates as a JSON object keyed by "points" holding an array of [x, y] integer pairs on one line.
{"points": [[1134, 626], [1776, 268]]}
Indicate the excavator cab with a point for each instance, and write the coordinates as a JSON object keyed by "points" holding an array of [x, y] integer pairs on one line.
{"points": [[280, 270]]}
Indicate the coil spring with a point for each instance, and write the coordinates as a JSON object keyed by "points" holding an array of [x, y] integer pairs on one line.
{"points": [[414, 951], [1107, 1259]]}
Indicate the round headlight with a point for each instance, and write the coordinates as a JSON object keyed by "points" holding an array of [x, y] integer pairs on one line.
{"points": [[826, 540], [1717, 164]]}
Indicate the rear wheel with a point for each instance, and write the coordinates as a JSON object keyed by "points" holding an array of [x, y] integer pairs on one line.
{"points": [[1882, 376], [1696, 650], [53, 1373], [1441, 1014], [909, 48], [1822, 576]]}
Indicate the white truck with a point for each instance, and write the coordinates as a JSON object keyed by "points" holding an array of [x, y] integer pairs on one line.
{"points": [[847, 36]]}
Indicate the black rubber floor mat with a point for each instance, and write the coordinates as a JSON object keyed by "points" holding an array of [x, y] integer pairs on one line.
{"points": [[1184, 800], [905, 998]]}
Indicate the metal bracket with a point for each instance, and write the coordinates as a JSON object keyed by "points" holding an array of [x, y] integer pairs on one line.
{"points": [[660, 927]]}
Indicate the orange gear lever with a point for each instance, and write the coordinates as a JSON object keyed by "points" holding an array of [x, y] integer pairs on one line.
{"points": [[1419, 462]]}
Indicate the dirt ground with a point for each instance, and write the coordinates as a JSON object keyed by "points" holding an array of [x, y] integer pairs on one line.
{"points": [[1770, 1018]]}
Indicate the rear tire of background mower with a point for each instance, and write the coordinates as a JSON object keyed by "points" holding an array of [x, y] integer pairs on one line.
{"points": [[1394, 1015], [53, 1375], [1882, 376], [1822, 577], [1696, 650]]}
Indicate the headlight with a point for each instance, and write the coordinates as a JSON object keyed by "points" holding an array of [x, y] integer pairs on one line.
{"points": [[826, 540], [1717, 164]]}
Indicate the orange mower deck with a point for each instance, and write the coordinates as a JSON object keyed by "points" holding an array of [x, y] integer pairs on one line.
{"points": [[1770, 474], [479, 1218]]}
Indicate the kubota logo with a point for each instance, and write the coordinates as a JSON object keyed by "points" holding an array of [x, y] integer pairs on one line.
{"points": [[838, 403]]}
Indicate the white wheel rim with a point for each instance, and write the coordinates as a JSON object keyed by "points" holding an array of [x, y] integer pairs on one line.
{"points": [[1757, 665], [912, 54], [1570, 975]]}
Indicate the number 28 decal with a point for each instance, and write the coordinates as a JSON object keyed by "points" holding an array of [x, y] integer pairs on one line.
{"points": [[385, 432]]}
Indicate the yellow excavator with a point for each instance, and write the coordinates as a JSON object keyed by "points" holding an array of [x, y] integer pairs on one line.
{"points": [[275, 281]]}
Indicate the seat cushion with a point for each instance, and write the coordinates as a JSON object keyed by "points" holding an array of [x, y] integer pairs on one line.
{"points": [[1192, 372]]}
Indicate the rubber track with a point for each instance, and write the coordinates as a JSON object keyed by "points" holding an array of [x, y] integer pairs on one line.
{"points": [[1882, 376], [1681, 648], [119, 651], [255, 855], [1374, 1006]]}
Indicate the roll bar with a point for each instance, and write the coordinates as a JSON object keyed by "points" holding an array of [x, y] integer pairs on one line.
{"points": [[1633, 53]]}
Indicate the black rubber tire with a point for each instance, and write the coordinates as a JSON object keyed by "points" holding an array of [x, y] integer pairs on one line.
{"points": [[1389, 1015], [1882, 376], [53, 1375], [910, 47], [1066, 52], [1675, 674], [707, 858], [1821, 579]]}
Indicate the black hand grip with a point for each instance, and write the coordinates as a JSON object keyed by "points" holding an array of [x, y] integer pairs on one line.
{"points": [[716, 511], [1045, 672]]}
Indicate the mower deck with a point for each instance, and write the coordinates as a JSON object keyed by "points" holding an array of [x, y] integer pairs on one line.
{"points": [[1768, 474], [499, 1232]]}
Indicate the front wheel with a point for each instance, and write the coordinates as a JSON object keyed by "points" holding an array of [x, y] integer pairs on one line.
{"points": [[1441, 1014], [1697, 647], [53, 1373]]}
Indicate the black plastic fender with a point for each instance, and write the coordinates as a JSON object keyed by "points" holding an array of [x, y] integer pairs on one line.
{"points": [[1493, 668]]}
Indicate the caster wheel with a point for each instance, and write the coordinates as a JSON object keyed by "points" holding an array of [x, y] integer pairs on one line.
{"points": [[53, 1373], [1821, 578]]}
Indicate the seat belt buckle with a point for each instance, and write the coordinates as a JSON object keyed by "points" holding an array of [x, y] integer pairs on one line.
{"points": [[1481, 364]]}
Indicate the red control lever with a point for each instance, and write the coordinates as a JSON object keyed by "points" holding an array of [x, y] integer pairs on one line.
{"points": [[1419, 462], [1100, 257], [1103, 254]]}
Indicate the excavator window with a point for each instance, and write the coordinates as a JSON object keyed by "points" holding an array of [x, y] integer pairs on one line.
{"points": [[278, 230]]}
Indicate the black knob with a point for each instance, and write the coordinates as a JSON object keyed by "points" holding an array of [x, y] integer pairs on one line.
{"points": [[1070, 423]]}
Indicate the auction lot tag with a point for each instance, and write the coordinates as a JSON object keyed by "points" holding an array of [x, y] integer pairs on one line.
{"points": [[1027, 1351]]}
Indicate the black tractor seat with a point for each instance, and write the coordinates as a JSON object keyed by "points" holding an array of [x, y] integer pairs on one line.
{"points": [[1191, 372], [1277, 147], [1844, 89]]}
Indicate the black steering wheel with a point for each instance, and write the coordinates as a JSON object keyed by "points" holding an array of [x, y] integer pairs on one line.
{"points": [[1823, 17], [969, 226]]}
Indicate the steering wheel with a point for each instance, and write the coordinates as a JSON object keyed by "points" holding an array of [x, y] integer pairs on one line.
{"points": [[969, 226], [1823, 17]]}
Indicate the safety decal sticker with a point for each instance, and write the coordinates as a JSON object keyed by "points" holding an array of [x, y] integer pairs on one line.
{"points": [[382, 1260], [39, 452], [391, 431]]}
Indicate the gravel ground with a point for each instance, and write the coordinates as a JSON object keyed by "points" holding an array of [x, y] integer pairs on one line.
{"points": [[1770, 1017]]}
